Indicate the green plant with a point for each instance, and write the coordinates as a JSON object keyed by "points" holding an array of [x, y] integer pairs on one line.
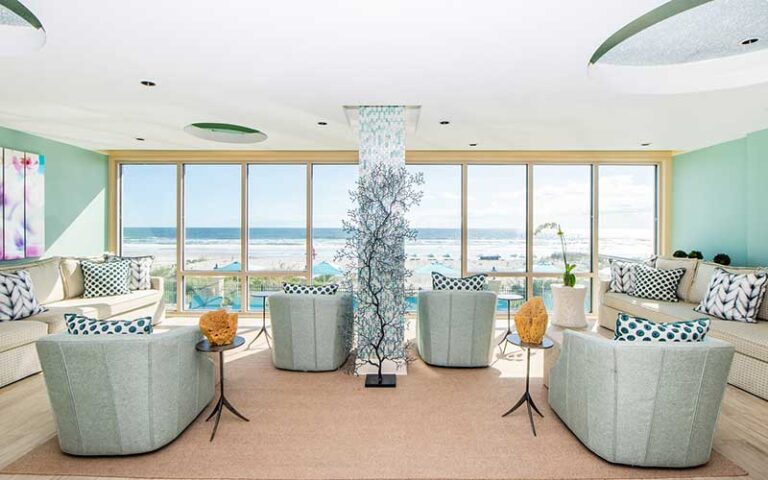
{"points": [[680, 254], [569, 278], [696, 254], [722, 259]]}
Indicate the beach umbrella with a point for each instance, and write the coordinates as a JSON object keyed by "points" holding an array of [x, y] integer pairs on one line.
{"points": [[230, 267], [435, 267], [323, 269]]}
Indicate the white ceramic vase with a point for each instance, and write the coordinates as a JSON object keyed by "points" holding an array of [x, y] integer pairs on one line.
{"points": [[568, 308]]}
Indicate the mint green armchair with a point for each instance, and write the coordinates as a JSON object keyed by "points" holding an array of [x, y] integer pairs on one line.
{"points": [[644, 404], [456, 328], [124, 394]]}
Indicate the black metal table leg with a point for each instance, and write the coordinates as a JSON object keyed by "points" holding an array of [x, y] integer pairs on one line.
{"points": [[222, 401], [263, 328], [509, 328], [527, 398]]}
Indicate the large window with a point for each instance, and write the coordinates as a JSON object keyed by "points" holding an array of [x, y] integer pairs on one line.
{"points": [[496, 218], [212, 237], [148, 219], [437, 220], [331, 185], [245, 226], [628, 211], [277, 217]]}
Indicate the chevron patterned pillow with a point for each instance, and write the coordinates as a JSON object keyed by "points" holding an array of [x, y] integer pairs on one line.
{"points": [[105, 279], [139, 274], [657, 284], [17, 296], [623, 276], [734, 296]]}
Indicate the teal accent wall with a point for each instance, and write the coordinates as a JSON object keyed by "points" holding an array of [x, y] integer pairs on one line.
{"points": [[719, 203], [75, 194]]}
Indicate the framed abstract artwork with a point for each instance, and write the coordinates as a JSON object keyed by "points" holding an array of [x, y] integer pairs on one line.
{"points": [[22, 204]]}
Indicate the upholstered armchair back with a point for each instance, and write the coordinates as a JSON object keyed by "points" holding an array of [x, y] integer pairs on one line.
{"points": [[456, 328], [124, 394], [647, 404]]}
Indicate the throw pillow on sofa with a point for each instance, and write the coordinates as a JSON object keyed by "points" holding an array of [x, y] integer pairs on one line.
{"points": [[105, 279], [657, 284], [623, 275], [474, 282], [734, 296], [139, 273], [294, 288], [634, 329], [81, 325], [17, 296]]}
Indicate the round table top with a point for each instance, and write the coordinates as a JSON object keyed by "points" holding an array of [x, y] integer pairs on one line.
{"points": [[264, 293], [204, 346], [510, 297], [545, 344]]}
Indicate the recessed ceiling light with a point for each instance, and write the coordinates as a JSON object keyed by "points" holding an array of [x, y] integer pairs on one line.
{"points": [[646, 144], [20, 30], [472, 144], [148, 83], [139, 139], [225, 132], [749, 41], [444, 122], [322, 124]]}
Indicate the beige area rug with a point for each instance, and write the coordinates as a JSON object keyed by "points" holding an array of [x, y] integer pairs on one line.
{"points": [[437, 424]]}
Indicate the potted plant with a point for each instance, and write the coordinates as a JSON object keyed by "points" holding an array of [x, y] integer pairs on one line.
{"points": [[567, 298]]}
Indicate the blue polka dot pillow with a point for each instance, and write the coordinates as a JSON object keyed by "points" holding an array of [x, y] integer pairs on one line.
{"points": [[80, 325], [633, 329]]}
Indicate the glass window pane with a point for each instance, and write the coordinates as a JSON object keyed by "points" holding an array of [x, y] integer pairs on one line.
{"points": [[542, 287], [496, 218], [148, 221], [212, 217], [212, 293], [258, 285], [277, 217], [438, 223], [627, 212], [508, 286], [331, 185], [562, 194]]}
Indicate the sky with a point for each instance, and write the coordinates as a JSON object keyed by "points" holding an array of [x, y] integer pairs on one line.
{"points": [[496, 196]]}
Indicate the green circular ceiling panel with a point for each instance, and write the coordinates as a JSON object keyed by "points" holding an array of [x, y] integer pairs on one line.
{"points": [[225, 132], [20, 30]]}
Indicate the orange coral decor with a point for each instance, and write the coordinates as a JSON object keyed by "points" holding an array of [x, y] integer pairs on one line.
{"points": [[531, 321], [219, 327]]}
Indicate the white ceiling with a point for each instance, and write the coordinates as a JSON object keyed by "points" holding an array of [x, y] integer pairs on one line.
{"points": [[508, 74]]}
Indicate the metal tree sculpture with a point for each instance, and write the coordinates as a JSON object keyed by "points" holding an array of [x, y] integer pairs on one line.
{"points": [[376, 231]]}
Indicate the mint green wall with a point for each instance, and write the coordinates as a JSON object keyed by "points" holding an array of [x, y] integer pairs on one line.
{"points": [[75, 194], [718, 200]]}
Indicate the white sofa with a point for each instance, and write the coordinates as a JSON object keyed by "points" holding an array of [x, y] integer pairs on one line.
{"points": [[58, 284], [750, 363]]}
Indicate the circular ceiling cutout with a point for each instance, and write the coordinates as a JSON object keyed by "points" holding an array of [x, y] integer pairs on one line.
{"points": [[225, 132], [20, 30], [688, 46]]}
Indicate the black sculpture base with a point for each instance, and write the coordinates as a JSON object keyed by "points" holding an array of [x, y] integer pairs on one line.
{"points": [[388, 380]]}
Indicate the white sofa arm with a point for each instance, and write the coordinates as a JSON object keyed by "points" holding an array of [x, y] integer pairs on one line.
{"points": [[157, 283], [603, 287]]}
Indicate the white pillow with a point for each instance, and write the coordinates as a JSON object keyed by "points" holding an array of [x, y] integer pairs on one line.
{"points": [[734, 296]]}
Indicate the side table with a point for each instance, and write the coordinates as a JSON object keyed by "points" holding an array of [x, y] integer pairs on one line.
{"points": [[509, 298], [545, 344], [204, 346], [263, 295]]}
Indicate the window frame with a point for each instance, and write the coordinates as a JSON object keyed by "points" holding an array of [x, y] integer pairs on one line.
{"points": [[660, 159]]}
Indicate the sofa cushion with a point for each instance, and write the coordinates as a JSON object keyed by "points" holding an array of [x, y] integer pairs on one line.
{"points": [[703, 277], [103, 308], [656, 283], [299, 289], [45, 276], [72, 275], [138, 276], [750, 339], [17, 296], [105, 279], [690, 266], [734, 296], [20, 333], [473, 282]]}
